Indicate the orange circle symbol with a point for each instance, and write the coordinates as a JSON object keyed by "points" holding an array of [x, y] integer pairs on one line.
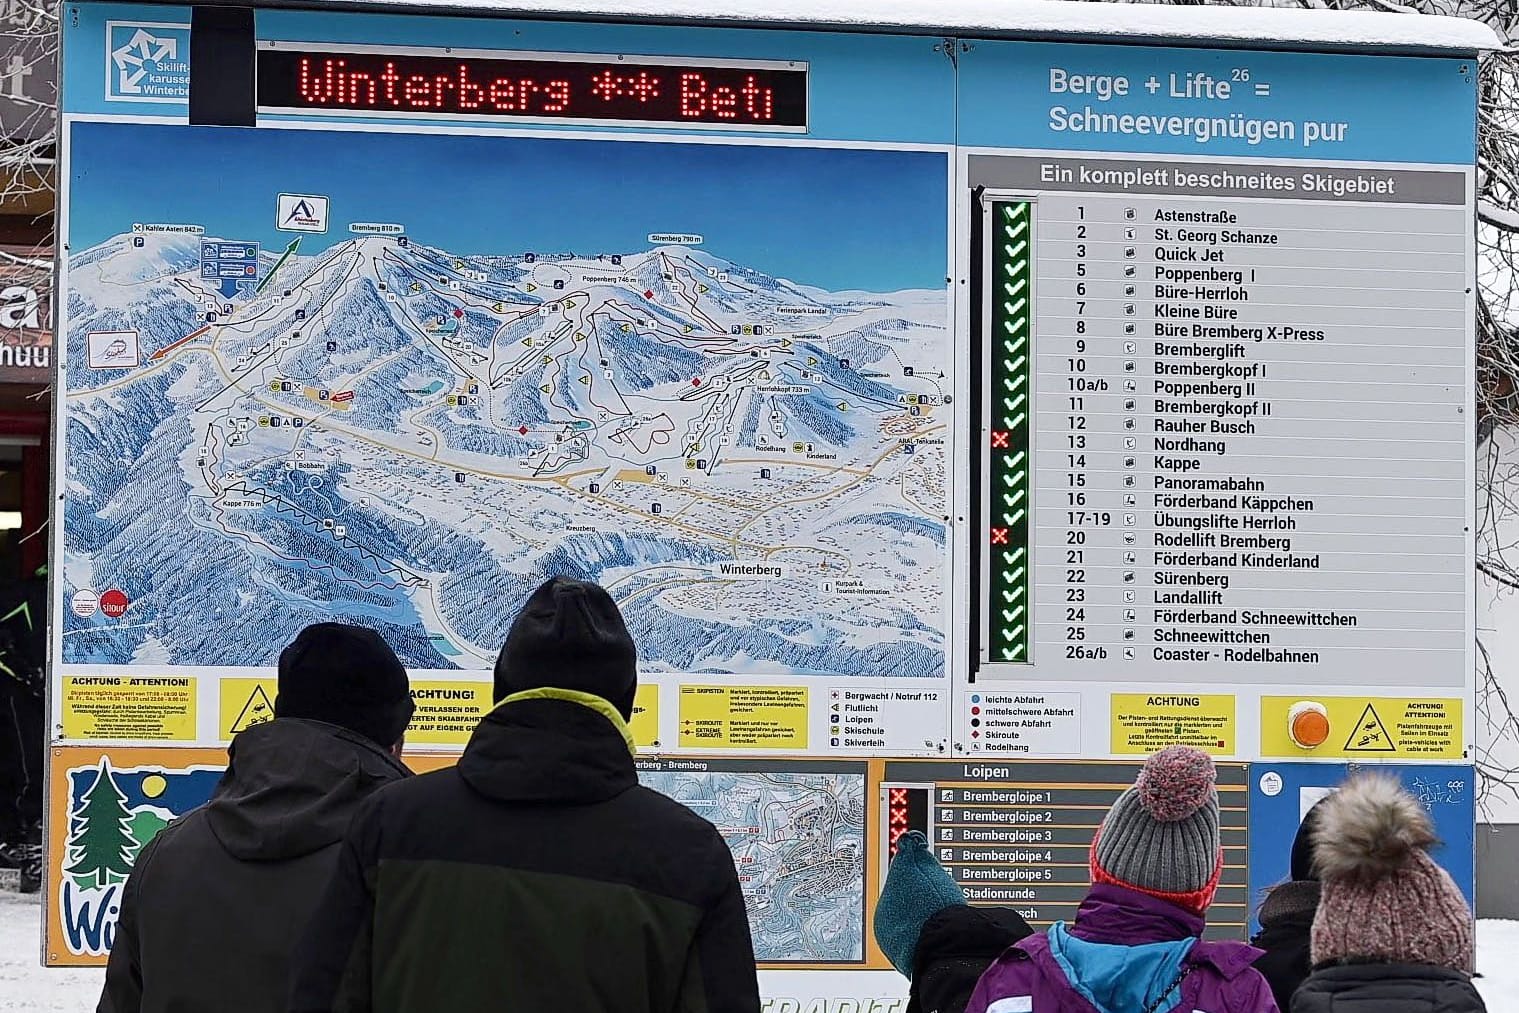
{"points": [[1309, 727]]}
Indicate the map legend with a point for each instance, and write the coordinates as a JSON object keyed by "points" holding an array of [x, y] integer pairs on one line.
{"points": [[1025, 724], [882, 719]]}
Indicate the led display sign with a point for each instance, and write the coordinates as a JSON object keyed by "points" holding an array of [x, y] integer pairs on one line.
{"points": [[537, 86]]}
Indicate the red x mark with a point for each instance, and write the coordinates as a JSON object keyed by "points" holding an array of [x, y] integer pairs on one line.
{"points": [[999, 536], [999, 439]]}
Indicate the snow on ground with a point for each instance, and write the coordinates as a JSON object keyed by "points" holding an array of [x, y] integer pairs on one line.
{"points": [[1497, 944], [24, 983], [26, 987]]}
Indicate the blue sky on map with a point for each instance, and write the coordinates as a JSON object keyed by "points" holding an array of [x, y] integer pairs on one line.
{"points": [[832, 217]]}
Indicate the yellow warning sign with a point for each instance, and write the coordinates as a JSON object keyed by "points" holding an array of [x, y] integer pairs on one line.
{"points": [[1370, 728], [245, 703], [743, 717], [645, 723], [1146, 722], [129, 708], [1370, 735], [447, 712]]}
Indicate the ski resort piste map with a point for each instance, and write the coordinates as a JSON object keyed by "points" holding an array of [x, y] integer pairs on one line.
{"points": [[364, 423]]}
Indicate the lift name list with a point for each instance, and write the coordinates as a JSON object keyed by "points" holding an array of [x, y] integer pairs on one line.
{"points": [[1201, 378]]}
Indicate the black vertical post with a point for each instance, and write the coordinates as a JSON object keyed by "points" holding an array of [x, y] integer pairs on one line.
{"points": [[221, 66]]}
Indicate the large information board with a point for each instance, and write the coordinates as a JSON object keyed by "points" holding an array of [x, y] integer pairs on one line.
{"points": [[955, 423]]}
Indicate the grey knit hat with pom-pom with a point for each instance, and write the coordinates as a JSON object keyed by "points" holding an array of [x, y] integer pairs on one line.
{"points": [[1161, 836]]}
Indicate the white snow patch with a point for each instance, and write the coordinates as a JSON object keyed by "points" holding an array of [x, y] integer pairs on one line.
{"points": [[24, 983], [1497, 942], [153, 651], [1040, 18]]}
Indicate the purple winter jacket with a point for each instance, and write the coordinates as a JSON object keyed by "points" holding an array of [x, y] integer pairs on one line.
{"points": [[1031, 978]]}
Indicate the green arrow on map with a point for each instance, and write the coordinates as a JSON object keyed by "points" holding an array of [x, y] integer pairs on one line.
{"points": [[289, 252]]}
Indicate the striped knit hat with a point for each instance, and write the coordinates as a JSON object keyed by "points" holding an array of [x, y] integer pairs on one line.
{"points": [[1161, 836]]}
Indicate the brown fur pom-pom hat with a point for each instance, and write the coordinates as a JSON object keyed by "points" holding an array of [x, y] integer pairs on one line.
{"points": [[1384, 898]]}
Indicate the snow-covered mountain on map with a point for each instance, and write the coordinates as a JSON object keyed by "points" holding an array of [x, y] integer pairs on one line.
{"points": [[410, 439]]}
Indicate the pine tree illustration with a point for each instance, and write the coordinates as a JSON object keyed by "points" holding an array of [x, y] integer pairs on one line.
{"points": [[101, 844]]}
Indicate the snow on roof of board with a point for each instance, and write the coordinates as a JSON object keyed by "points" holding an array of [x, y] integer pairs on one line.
{"points": [[1057, 19]]}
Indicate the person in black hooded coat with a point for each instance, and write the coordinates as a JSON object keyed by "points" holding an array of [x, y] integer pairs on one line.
{"points": [[213, 903], [1287, 919], [1393, 932]]}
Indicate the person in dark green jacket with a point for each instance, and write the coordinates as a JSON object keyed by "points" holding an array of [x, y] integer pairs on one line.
{"points": [[537, 875]]}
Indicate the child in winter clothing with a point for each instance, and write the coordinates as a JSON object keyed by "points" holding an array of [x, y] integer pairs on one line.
{"points": [[1136, 944], [929, 933], [1287, 918], [1393, 933]]}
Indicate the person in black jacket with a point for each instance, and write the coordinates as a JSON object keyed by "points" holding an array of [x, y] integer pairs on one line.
{"points": [[537, 875], [1286, 918], [1393, 934], [927, 930], [211, 906]]}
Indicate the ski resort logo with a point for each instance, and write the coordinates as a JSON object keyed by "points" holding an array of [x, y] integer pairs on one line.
{"points": [[299, 212], [112, 349], [147, 62], [113, 812]]}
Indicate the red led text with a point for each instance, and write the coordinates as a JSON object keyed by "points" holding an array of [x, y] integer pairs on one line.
{"points": [[533, 88], [698, 97], [333, 84]]}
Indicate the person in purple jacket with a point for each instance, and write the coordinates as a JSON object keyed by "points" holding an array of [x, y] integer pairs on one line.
{"points": [[1136, 944]]}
